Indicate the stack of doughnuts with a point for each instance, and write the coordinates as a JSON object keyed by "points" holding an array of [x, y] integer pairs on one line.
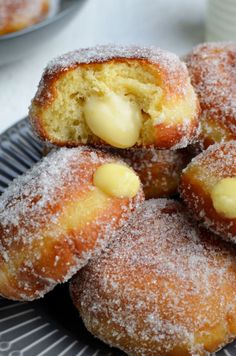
{"points": [[136, 200], [125, 98]]}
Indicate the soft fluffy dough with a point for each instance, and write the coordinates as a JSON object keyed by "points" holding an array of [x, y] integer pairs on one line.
{"points": [[145, 94]]}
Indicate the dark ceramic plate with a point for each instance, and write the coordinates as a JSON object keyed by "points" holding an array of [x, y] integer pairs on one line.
{"points": [[20, 44], [50, 326]]}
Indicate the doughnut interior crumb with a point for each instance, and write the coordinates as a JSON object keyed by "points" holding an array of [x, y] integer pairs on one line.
{"points": [[65, 118], [132, 80]]}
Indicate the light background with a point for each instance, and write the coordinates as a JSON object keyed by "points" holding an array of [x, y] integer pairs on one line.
{"points": [[175, 25]]}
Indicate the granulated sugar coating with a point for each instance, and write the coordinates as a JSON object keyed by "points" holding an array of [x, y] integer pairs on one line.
{"points": [[104, 53], [159, 170], [162, 286], [52, 219], [198, 180], [174, 71], [212, 67]]}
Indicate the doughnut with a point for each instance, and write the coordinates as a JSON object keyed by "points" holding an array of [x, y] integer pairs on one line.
{"points": [[58, 215], [16, 15], [116, 96], [158, 170], [208, 187], [212, 70], [163, 286]]}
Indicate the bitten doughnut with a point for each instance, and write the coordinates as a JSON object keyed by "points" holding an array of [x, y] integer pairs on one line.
{"points": [[59, 214], [18, 14], [162, 287], [159, 170], [116, 96], [208, 187], [212, 70]]}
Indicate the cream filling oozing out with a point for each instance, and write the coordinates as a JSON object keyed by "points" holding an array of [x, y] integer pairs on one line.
{"points": [[118, 103], [113, 100], [223, 197], [116, 180], [114, 119]]}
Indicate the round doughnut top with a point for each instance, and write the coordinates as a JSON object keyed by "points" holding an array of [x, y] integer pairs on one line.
{"points": [[216, 162], [162, 231], [174, 72], [104, 53], [164, 273], [212, 68]]}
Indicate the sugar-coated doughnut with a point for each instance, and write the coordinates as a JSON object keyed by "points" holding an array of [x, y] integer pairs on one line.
{"points": [[208, 187], [18, 14], [116, 96], [213, 75], [159, 170], [162, 287], [56, 216]]}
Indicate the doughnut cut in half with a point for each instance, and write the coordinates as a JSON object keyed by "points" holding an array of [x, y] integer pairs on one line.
{"points": [[116, 96]]}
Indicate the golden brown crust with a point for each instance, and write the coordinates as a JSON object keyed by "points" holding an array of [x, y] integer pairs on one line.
{"points": [[212, 70], [171, 75], [19, 14], [197, 181], [53, 220], [159, 170], [162, 287]]}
